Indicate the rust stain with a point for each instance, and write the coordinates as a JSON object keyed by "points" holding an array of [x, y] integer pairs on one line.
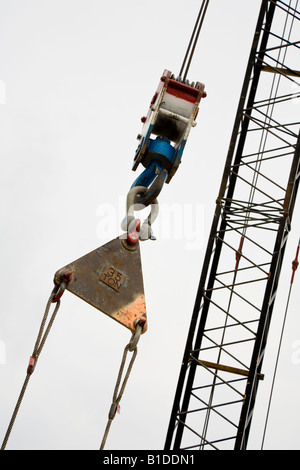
{"points": [[129, 314]]}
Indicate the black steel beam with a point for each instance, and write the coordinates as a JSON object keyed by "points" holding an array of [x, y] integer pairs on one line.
{"points": [[268, 303], [233, 215], [217, 215]]}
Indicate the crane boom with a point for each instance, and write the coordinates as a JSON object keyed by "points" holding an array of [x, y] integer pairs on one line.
{"points": [[226, 342]]}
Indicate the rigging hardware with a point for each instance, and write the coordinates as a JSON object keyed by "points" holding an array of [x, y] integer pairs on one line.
{"points": [[171, 115], [110, 277]]}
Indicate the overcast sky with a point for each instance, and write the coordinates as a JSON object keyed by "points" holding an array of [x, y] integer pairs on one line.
{"points": [[76, 77]]}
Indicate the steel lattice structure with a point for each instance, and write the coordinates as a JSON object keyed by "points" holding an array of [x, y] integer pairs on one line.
{"points": [[222, 362]]}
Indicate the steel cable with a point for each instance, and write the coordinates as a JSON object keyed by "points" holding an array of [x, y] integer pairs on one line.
{"points": [[193, 40], [117, 395], [295, 264], [41, 338]]}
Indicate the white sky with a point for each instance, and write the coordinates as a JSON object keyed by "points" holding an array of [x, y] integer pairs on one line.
{"points": [[78, 76]]}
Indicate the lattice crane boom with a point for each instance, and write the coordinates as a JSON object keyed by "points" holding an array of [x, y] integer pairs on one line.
{"points": [[223, 357]]}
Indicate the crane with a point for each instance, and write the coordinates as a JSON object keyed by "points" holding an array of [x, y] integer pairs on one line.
{"points": [[251, 201], [222, 364]]}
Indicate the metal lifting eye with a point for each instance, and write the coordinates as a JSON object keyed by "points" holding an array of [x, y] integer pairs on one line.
{"points": [[130, 223]]}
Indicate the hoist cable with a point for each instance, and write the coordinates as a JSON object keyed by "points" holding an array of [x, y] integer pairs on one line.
{"points": [[193, 40], [39, 344], [295, 264]]}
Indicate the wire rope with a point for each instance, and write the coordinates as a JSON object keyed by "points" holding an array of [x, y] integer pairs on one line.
{"points": [[294, 267], [40, 341], [193, 40]]}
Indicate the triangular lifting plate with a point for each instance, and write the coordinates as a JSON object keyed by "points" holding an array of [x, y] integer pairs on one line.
{"points": [[110, 279]]}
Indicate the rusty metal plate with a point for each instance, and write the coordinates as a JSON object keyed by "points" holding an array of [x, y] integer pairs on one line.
{"points": [[110, 279]]}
